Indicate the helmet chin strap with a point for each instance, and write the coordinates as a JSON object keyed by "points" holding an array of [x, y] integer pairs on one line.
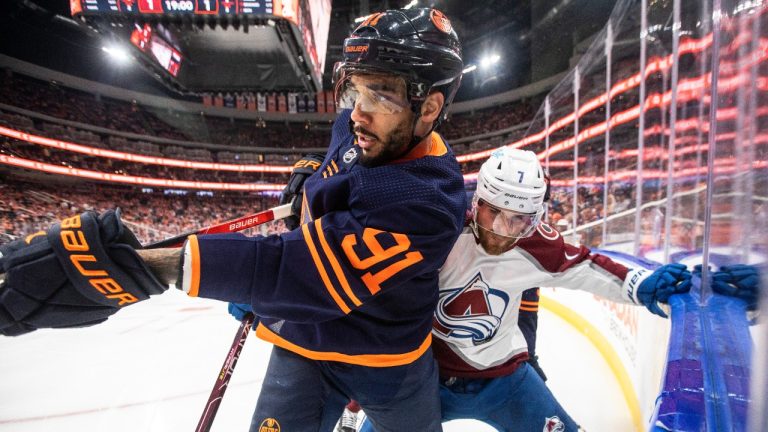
{"points": [[415, 139], [473, 225]]}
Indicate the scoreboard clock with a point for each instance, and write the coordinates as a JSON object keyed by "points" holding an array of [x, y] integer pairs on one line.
{"points": [[192, 7]]}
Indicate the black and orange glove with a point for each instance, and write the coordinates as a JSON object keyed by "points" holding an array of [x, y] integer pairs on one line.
{"points": [[294, 190], [76, 274]]}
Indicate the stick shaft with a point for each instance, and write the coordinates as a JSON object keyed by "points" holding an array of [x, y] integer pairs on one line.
{"points": [[234, 225], [222, 381], [240, 224]]}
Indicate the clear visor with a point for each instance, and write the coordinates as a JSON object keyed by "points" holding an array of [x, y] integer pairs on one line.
{"points": [[371, 97], [502, 222]]}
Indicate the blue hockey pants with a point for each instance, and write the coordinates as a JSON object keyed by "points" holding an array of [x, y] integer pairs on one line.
{"points": [[303, 395], [517, 402]]}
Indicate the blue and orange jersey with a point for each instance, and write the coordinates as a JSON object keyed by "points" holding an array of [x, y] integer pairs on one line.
{"points": [[358, 281]]}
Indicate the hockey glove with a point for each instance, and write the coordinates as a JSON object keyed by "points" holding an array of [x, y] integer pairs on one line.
{"points": [[740, 281], [294, 190], [77, 274], [240, 310], [667, 280], [534, 362]]}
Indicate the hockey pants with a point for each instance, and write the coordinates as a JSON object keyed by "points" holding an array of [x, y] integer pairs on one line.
{"points": [[303, 395], [517, 402]]}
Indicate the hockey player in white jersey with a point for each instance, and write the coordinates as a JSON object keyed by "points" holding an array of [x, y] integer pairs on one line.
{"points": [[505, 250]]}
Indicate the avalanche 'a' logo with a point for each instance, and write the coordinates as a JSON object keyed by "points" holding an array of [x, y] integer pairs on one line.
{"points": [[471, 313], [554, 424]]}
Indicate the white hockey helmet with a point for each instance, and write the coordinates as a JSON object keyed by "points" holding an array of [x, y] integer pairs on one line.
{"points": [[512, 182]]}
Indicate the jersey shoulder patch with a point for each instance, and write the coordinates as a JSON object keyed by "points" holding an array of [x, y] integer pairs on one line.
{"points": [[549, 249], [546, 231]]}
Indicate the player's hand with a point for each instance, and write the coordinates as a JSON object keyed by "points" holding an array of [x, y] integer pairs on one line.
{"points": [[240, 310], [667, 280], [76, 274], [294, 190], [740, 281], [534, 362]]}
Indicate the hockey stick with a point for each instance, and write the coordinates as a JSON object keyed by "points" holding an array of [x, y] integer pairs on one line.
{"points": [[230, 226], [222, 381], [220, 386], [240, 224]]}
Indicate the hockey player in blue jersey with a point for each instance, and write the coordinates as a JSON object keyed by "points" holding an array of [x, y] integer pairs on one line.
{"points": [[347, 299], [506, 249]]}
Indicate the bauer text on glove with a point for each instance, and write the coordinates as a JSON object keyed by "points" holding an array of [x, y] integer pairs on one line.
{"points": [[78, 273]]}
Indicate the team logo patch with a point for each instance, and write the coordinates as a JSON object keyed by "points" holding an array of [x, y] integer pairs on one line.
{"points": [[499, 152], [441, 21], [350, 155], [553, 424], [269, 425], [371, 20], [470, 315], [548, 232]]}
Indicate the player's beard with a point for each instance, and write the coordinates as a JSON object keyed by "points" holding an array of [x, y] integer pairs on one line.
{"points": [[391, 147], [494, 244]]}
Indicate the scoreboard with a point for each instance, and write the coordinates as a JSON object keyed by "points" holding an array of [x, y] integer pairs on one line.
{"points": [[236, 52], [168, 57], [191, 7]]}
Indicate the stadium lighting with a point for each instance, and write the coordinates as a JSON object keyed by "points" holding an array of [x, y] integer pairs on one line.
{"points": [[411, 4], [469, 69], [117, 53], [490, 60]]}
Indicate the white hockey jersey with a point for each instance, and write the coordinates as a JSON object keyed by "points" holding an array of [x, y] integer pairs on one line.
{"points": [[475, 325]]}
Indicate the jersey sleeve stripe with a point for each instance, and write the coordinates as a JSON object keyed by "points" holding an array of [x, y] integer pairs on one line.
{"points": [[529, 303], [370, 360], [28, 239], [529, 309], [193, 255], [335, 263], [335, 167], [321, 269]]}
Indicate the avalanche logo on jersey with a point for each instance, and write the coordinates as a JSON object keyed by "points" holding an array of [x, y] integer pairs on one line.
{"points": [[471, 314], [553, 424]]}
